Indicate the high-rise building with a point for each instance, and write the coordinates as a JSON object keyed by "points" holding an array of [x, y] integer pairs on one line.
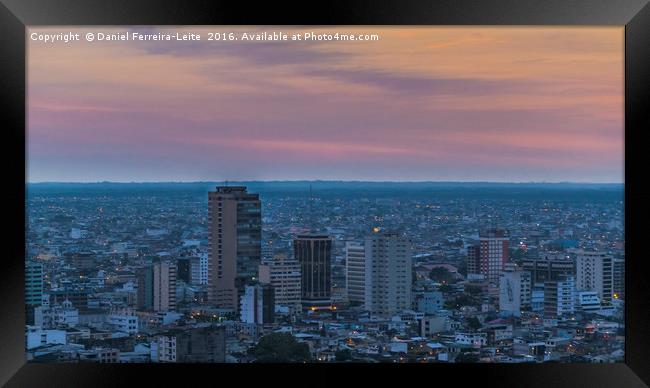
{"points": [[144, 296], [234, 243], [595, 272], [619, 278], [184, 272], [164, 286], [189, 270], [195, 270], [559, 297], [203, 268], [33, 288], [388, 273], [494, 253], [515, 291], [33, 283], [474, 259], [258, 304], [355, 272], [488, 256], [284, 275], [537, 298], [549, 266], [314, 253]]}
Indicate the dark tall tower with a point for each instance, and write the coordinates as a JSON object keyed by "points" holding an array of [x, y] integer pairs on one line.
{"points": [[144, 277], [235, 243], [184, 270], [549, 267], [314, 253]]}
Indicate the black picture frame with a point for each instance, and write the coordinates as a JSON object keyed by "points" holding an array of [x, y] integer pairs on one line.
{"points": [[15, 15]]}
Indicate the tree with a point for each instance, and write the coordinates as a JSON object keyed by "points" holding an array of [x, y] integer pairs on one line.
{"points": [[466, 357], [465, 300], [473, 290], [343, 355], [517, 253], [473, 323], [441, 275], [280, 347], [490, 317], [391, 333]]}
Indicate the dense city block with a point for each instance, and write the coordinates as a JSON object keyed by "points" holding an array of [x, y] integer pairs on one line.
{"points": [[325, 272]]}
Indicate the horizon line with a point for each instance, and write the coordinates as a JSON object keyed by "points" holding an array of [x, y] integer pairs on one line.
{"points": [[322, 181]]}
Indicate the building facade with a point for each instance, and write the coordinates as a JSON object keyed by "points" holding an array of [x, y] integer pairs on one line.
{"points": [[494, 253], [189, 270], [595, 272], [559, 297], [489, 255], [515, 291], [355, 272], [234, 243], [33, 289], [144, 295], [618, 287], [314, 253], [549, 267], [258, 304], [196, 345], [388, 273], [429, 302], [284, 275], [164, 286]]}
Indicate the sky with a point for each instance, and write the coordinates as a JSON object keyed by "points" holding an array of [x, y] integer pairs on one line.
{"points": [[503, 104]]}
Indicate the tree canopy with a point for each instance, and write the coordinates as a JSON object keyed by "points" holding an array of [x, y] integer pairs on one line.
{"points": [[441, 275], [280, 347], [343, 355], [467, 357], [473, 323]]}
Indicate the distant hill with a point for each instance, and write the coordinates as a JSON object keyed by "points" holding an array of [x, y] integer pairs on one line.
{"points": [[434, 190]]}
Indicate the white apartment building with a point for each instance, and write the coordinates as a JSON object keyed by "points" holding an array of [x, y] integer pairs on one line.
{"points": [[355, 271], [203, 268], [51, 317], [124, 320], [285, 277], [514, 291], [595, 272], [587, 301], [387, 273]]}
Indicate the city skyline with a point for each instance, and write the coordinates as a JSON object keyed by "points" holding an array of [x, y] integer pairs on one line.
{"points": [[447, 274], [421, 104]]}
